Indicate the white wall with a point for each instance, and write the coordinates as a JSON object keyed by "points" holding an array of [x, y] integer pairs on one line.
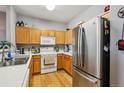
{"points": [[117, 57], [42, 24], [2, 26], [10, 23], [91, 12]]}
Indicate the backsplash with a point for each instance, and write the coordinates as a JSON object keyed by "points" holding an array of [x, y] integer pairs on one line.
{"points": [[28, 48]]}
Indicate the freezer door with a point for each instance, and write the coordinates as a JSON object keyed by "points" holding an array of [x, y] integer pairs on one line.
{"points": [[81, 79], [92, 40]]}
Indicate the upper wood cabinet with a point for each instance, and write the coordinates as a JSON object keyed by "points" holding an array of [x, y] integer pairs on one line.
{"points": [[22, 35], [44, 33], [68, 37], [51, 33], [34, 36], [48, 33], [60, 37], [25, 35]]}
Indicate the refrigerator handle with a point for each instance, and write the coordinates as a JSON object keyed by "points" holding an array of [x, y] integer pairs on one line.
{"points": [[89, 79], [82, 47], [81, 56], [78, 46]]}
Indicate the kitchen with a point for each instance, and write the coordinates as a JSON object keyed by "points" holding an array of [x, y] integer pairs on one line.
{"points": [[45, 45]]}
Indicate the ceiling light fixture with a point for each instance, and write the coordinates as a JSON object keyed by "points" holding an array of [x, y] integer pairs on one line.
{"points": [[50, 7]]}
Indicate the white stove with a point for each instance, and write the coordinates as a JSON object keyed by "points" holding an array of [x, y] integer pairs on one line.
{"points": [[48, 60]]}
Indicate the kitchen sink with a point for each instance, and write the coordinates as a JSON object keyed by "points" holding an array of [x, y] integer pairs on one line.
{"points": [[18, 59]]}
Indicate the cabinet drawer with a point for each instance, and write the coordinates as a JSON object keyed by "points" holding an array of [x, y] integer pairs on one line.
{"points": [[59, 54], [37, 57]]}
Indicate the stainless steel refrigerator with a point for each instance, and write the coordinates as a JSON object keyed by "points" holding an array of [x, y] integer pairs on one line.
{"points": [[91, 53]]}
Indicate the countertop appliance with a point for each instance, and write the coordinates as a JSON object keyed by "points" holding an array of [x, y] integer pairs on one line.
{"points": [[22, 50], [66, 48], [45, 40], [91, 53]]}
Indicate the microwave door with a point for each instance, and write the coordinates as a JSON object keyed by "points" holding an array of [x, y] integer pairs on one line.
{"points": [[76, 47]]}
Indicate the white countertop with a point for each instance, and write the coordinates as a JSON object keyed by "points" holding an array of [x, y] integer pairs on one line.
{"points": [[60, 52], [13, 76], [66, 53]]}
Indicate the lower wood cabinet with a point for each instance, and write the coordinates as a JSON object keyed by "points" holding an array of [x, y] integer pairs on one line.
{"points": [[59, 61], [64, 62], [36, 64], [31, 73], [34, 67]]}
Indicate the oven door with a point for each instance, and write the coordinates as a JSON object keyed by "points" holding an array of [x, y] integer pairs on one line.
{"points": [[48, 61]]}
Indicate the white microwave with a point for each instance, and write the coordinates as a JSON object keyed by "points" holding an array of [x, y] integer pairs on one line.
{"points": [[44, 40]]}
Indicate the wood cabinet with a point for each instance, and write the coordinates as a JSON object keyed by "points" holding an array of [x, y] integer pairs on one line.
{"points": [[34, 36], [60, 37], [64, 62], [26, 35], [44, 33], [31, 73], [68, 64], [59, 61], [51, 33], [36, 64], [68, 37], [48, 33], [22, 35]]}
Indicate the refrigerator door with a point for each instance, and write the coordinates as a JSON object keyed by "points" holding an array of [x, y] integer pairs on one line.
{"points": [[76, 47], [81, 79], [92, 42], [87, 47]]}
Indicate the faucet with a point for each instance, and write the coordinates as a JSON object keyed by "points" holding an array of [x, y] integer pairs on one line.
{"points": [[3, 50], [3, 57]]}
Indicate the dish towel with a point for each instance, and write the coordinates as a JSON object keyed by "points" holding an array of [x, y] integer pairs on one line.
{"points": [[49, 60]]}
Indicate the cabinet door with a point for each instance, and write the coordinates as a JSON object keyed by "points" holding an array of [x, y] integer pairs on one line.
{"points": [[44, 33], [22, 35], [71, 65], [51, 33], [59, 61], [31, 73], [66, 37], [68, 66], [36, 64], [34, 36], [64, 62], [70, 37], [60, 37]]}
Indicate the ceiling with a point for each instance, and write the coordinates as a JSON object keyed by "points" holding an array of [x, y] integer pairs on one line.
{"points": [[62, 13]]}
